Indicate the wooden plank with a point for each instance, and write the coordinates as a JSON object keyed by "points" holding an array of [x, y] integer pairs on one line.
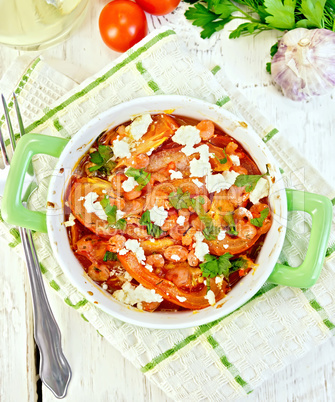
{"points": [[17, 348]]}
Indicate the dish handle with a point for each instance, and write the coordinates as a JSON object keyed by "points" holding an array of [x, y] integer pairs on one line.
{"points": [[320, 208], [12, 209]]}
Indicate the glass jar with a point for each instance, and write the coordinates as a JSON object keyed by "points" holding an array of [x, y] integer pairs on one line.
{"points": [[36, 24]]}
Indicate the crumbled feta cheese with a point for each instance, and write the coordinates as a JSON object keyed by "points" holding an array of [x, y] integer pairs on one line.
{"points": [[150, 151], [200, 248], [210, 296], [119, 214], [235, 159], [158, 215], [134, 246], [129, 184], [175, 257], [121, 149], [104, 286], [219, 279], [221, 235], [93, 206], [197, 182], [199, 168], [225, 246], [260, 191], [132, 295], [104, 191], [139, 126], [152, 240], [149, 267], [181, 298], [218, 182], [187, 135], [127, 276], [181, 220], [70, 222], [123, 251], [175, 175]]}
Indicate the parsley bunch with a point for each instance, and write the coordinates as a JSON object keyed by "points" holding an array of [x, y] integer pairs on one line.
{"points": [[262, 15]]}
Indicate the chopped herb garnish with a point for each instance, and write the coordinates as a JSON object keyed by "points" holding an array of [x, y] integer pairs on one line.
{"points": [[180, 200], [249, 181], [231, 223], [224, 160], [259, 221], [140, 176], [215, 266], [152, 229], [110, 211], [109, 256], [102, 160]]}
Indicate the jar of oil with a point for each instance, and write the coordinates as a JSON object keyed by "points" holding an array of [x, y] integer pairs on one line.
{"points": [[36, 24]]}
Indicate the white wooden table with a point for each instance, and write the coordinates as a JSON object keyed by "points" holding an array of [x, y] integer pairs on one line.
{"points": [[100, 373]]}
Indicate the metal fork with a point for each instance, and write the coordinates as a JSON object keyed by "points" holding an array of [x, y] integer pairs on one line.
{"points": [[54, 370]]}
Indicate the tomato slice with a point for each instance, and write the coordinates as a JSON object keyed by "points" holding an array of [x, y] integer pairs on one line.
{"points": [[79, 190], [167, 289]]}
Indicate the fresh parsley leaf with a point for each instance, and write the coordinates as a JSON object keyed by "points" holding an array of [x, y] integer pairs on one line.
{"points": [[274, 49], [223, 265], [110, 211], [109, 256], [281, 13], [121, 224], [314, 13], [239, 263], [211, 231], [180, 199], [259, 221], [224, 8], [249, 180], [247, 28], [140, 176], [214, 266], [102, 159], [200, 15], [268, 67], [231, 224], [152, 229]]}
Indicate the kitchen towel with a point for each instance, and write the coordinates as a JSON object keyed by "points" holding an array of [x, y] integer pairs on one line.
{"points": [[225, 359]]}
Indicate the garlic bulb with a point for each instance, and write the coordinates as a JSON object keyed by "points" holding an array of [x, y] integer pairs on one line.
{"points": [[304, 64]]}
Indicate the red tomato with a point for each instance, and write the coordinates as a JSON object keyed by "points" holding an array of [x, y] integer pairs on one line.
{"points": [[158, 7], [122, 24]]}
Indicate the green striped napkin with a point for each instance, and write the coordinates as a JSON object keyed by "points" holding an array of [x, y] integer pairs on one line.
{"points": [[228, 358]]}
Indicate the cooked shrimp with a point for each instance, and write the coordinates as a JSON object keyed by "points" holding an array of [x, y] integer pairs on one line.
{"points": [[238, 196], [98, 273], [196, 223], [161, 159], [246, 230], [155, 260], [116, 243], [170, 221], [117, 181], [132, 195], [187, 239], [242, 213], [176, 253], [192, 259], [134, 207], [137, 232], [140, 161], [176, 232], [239, 169], [206, 128]]}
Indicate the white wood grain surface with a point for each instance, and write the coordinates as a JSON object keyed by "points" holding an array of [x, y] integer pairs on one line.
{"points": [[100, 373]]}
